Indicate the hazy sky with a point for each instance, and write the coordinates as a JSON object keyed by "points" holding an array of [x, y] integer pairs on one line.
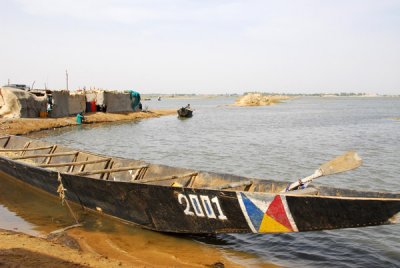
{"points": [[203, 46]]}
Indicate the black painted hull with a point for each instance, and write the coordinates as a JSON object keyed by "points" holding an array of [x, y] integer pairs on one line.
{"points": [[204, 211], [183, 112]]}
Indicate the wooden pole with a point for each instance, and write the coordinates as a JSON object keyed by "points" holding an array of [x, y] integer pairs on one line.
{"points": [[52, 150], [43, 155], [26, 149], [174, 177], [100, 171], [66, 77]]}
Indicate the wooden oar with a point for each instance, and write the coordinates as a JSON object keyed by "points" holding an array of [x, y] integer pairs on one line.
{"points": [[348, 161]]}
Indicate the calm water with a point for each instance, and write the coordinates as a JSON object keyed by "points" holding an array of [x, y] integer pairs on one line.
{"points": [[283, 142]]}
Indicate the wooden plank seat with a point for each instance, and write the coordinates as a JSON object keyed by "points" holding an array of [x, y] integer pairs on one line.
{"points": [[101, 171], [44, 155], [173, 177], [26, 149], [64, 164]]}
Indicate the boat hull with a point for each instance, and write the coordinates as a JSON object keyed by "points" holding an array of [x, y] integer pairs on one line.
{"points": [[181, 209], [184, 112], [150, 206]]}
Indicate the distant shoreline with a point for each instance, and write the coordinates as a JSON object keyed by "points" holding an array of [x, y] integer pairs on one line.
{"points": [[204, 96]]}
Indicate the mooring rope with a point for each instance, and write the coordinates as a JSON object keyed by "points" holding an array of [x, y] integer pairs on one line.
{"points": [[61, 192]]}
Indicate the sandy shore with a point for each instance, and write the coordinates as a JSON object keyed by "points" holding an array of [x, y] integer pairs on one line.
{"points": [[21, 250], [23, 126], [94, 250]]}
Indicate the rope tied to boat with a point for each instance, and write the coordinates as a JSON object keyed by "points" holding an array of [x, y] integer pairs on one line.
{"points": [[61, 192]]}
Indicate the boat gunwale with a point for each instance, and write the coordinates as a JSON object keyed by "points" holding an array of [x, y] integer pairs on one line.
{"points": [[138, 182], [150, 215]]}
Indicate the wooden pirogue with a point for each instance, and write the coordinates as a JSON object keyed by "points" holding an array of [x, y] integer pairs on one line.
{"points": [[185, 112], [178, 200]]}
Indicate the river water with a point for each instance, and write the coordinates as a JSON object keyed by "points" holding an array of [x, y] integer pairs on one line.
{"points": [[283, 142]]}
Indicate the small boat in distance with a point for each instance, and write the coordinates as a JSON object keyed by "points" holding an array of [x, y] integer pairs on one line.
{"points": [[179, 200], [185, 111]]}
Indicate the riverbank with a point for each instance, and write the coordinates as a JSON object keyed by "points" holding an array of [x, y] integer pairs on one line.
{"points": [[22, 250], [23, 126]]}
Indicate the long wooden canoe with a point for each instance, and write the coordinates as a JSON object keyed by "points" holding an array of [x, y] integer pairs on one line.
{"points": [[170, 199]]}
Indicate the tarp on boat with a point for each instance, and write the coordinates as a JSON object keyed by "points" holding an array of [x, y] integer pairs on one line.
{"points": [[18, 103]]}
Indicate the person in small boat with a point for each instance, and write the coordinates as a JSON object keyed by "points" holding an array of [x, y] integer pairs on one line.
{"points": [[187, 107]]}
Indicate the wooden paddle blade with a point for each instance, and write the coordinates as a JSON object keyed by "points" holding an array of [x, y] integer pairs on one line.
{"points": [[348, 161]]}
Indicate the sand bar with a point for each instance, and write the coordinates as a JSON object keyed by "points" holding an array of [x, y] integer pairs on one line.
{"points": [[23, 126], [258, 100]]}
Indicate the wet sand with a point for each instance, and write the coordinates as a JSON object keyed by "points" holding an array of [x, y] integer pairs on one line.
{"points": [[97, 250], [22, 250]]}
